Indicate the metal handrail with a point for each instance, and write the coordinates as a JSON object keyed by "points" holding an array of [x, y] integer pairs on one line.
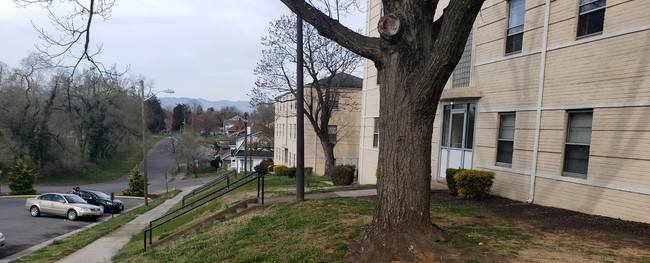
{"points": [[199, 189], [184, 206], [251, 177]]}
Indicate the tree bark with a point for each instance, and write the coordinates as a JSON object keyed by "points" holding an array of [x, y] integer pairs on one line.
{"points": [[328, 152]]}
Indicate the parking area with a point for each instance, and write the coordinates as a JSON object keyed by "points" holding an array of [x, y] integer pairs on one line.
{"points": [[22, 231]]}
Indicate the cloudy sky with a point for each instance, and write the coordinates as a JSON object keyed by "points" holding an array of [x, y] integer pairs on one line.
{"points": [[198, 48]]}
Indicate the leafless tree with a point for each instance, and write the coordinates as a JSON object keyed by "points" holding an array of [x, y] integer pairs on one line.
{"points": [[327, 64], [262, 123], [415, 56], [73, 40]]}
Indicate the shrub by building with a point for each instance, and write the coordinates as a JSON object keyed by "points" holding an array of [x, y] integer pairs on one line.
{"points": [[473, 184]]}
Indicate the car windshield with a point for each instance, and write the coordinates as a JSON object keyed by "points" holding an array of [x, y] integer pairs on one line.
{"points": [[102, 195], [73, 199]]}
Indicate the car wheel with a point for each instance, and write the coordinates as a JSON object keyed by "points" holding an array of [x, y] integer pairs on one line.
{"points": [[72, 215], [34, 211]]}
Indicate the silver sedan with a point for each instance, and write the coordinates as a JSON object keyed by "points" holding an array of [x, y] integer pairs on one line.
{"points": [[67, 205]]}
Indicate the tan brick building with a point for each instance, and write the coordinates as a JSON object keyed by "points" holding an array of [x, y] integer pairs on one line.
{"points": [[344, 128], [554, 98]]}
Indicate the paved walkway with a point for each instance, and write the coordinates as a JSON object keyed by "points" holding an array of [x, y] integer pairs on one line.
{"points": [[103, 249]]}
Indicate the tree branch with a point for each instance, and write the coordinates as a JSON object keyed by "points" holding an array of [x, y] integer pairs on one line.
{"points": [[368, 47]]}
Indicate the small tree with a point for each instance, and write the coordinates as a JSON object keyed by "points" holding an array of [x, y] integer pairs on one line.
{"points": [[216, 163], [21, 179], [136, 183]]}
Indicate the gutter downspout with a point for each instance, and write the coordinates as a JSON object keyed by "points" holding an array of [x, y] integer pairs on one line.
{"points": [[540, 92]]}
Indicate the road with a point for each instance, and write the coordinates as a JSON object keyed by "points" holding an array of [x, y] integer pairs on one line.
{"points": [[23, 231]]}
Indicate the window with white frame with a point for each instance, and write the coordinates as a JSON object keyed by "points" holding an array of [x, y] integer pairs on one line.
{"points": [[505, 142], [331, 131], [515, 33], [591, 17], [578, 141], [375, 135]]}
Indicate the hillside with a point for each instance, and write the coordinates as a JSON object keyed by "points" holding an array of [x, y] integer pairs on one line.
{"points": [[169, 103]]}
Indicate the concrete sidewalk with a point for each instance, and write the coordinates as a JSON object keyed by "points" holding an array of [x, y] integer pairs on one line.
{"points": [[103, 249]]}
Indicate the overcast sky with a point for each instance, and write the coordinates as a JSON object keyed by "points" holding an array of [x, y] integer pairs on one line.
{"points": [[198, 48]]}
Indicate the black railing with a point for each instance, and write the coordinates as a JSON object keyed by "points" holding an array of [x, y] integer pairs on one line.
{"points": [[207, 185], [186, 208]]}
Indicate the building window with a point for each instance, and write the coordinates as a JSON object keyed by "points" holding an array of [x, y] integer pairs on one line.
{"points": [[331, 131], [516, 13], [462, 70], [578, 140], [506, 139], [334, 100], [592, 17], [286, 156], [375, 136]]}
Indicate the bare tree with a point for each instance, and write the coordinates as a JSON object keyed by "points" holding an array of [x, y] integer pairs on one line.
{"points": [[415, 56], [327, 64], [262, 122], [74, 29]]}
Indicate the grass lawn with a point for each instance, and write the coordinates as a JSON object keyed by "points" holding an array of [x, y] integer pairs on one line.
{"points": [[274, 185], [105, 169], [327, 230], [62, 248]]}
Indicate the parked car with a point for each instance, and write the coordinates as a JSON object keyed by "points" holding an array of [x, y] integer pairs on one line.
{"points": [[68, 205], [2, 240], [102, 200]]}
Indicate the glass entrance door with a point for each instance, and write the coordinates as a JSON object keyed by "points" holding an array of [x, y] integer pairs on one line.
{"points": [[456, 137]]}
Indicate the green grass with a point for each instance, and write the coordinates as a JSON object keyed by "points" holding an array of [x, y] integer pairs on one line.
{"points": [[273, 186], [105, 169], [62, 248], [310, 231]]}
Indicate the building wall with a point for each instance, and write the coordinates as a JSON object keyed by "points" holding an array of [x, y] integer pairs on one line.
{"points": [[608, 73], [346, 118]]}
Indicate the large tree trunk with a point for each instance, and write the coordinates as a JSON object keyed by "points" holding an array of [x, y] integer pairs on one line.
{"points": [[404, 232], [328, 151]]}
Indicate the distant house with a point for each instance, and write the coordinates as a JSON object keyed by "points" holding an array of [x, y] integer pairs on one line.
{"points": [[233, 159]]}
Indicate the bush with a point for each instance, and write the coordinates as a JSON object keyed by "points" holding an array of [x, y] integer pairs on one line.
{"points": [[261, 169], [21, 179], [270, 168], [473, 184], [342, 174], [290, 172], [309, 170], [451, 184], [136, 184], [279, 169]]}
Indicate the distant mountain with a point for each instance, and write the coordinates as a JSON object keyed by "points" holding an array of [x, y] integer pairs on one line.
{"points": [[170, 103]]}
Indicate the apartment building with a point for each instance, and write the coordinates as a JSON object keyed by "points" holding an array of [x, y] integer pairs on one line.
{"points": [[553, 96], [343, 126]]}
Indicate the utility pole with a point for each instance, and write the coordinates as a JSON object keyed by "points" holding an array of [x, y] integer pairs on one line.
{"points": [[300, 115], [144, 147], [245, 142]]}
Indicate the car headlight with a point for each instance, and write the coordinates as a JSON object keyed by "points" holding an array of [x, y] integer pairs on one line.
{"points": [[107, 202], [1, 236]]}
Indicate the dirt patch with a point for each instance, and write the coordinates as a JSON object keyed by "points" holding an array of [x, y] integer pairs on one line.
{"points": [[513, 231]]}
